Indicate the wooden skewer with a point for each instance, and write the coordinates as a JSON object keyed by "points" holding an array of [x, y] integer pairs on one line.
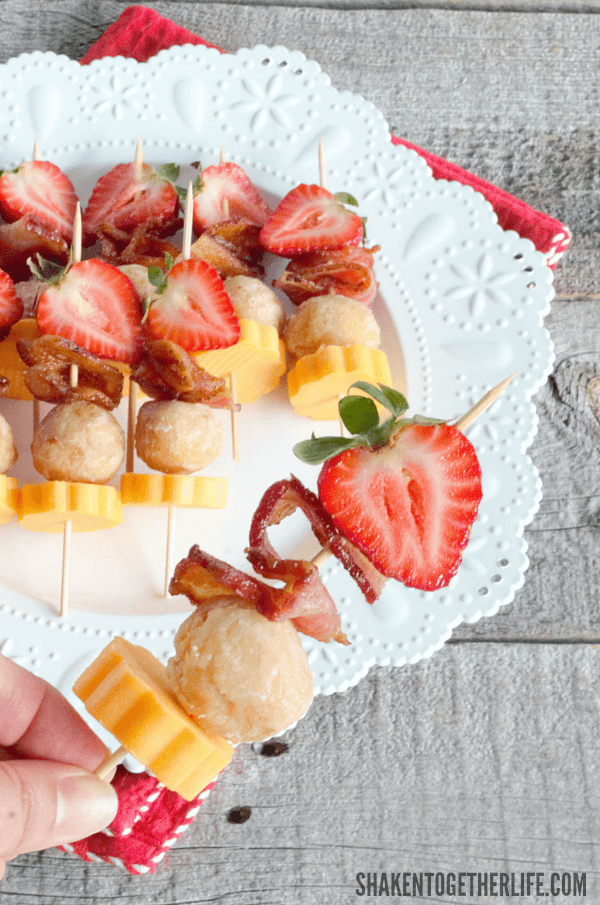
{"points": [[483, 403], [36, 402], [170, 545], [110, 762], [67, 532], [188, 222], [131, 420], [77, 231], [463, 422], [235, 430], [323, 184], [322, 173], [139, 160], [235, 427]]}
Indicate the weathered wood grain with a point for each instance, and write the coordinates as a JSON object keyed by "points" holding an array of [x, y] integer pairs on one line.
{"points": [[445, 765]]}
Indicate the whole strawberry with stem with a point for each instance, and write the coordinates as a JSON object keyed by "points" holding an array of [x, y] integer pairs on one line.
{"points": [[405, 491]]}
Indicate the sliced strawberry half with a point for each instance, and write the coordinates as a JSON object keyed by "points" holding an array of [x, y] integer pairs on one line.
{"points": [[409, 505], [38, 188], [345, 271], [310, 219], [95, 306], [193, 310], [227, 182], [11, 306], [125, 202]]}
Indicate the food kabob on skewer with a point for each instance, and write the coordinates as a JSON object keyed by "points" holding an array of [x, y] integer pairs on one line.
{"points": [[228, 216], [177, 433], [37, 205], [239, 672], [87, 313], [333, 335]]}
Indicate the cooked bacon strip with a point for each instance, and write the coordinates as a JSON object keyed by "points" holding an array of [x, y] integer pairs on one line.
{"points": [[281, 500], [49, 359], [166, 371], [25, 238], [203, 577], [207, 581], [346, 271], [308, 603], [232, 248], [146, 245]]}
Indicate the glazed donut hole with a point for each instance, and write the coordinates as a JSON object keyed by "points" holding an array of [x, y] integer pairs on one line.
{"points": [[138, 275], [330, 320], [254, 300], [239, 675], [177, 437], [8, 450], [78, 441]]}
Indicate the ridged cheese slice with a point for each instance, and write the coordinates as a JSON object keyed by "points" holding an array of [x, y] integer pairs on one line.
{"points": [[89, 507], [127, 690], [190, 491], [316, 381], [9, 495]]}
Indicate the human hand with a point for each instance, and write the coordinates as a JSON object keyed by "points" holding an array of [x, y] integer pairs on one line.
{"points": [[47, 793]]}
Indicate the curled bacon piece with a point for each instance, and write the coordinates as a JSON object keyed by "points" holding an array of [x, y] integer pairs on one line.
{"points": [[281, 500], [146, 245], [49, 359], [347, 271], [207, 581], [202, 577], [232, 248], [166, 371]]}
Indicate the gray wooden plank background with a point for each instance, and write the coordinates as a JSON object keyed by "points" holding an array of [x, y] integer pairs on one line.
{"points": [[485, 757]]}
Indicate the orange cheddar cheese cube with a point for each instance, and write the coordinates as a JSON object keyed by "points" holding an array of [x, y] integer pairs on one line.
{"points": [[89, 507], [257, 360], [316, 381], [9, 493], [127, 690], [191, 491]]}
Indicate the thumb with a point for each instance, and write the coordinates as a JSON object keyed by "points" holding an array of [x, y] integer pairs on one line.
{"points": [[44, 803]]}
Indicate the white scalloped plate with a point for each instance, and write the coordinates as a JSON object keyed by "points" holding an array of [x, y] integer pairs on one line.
{"points": [[461, 299]]}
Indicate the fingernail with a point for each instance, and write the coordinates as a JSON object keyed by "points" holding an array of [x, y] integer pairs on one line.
{"points": [[85, 805]]}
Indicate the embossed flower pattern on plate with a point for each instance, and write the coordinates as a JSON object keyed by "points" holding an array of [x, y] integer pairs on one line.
{"points": [[268, 103], [480, 284]]}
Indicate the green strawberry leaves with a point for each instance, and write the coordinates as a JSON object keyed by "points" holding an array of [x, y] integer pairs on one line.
{"points": [[46, 271], [169, 172], [158, 277], [360, 417], [318, 449], [346, 198]]}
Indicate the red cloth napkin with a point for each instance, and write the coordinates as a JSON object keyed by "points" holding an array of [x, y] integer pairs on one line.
{"points": [[140, 32], [150, 818], [149, 821]]}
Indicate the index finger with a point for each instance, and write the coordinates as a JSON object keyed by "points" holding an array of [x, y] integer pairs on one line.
{"points": [[37, 721]]}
